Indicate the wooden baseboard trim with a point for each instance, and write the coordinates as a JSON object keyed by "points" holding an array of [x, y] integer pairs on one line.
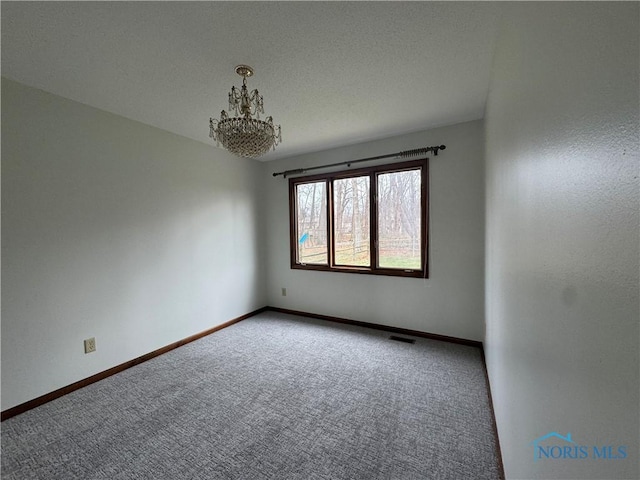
{"points": [[47, 397], [493, 416], [403, 331]]}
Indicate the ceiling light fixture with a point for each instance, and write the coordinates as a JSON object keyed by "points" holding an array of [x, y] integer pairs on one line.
{"points": [[244, 135]]}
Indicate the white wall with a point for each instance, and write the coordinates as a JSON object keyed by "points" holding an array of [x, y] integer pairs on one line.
{"points": [[115, 230], [562, 252], [451, 301]]}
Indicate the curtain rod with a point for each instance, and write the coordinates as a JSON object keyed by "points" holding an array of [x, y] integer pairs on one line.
{"points": [[405, 154]]}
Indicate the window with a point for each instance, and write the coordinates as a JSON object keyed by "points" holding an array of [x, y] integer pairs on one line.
{"points": [[371, 220]]}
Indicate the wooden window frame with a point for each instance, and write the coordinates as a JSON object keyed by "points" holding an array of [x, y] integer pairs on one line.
{"points": [[372, 172]]}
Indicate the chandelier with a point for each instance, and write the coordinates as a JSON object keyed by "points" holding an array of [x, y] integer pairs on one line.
{"points": [[245, 134]]}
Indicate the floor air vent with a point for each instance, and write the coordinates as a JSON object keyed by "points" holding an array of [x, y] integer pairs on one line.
{"points": [[402, 339]]}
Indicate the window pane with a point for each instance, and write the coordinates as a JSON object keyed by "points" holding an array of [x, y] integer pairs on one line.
{"points": [[399, 204], [312, 223], [351, 221]]}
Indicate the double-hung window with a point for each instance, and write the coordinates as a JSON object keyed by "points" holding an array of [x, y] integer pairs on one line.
{"points": [[371, 220]]}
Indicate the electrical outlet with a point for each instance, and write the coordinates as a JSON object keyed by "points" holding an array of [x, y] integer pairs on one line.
{"points": [[90, 345], [284, 292]]}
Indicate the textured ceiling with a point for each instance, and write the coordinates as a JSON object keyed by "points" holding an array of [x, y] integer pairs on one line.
{"points": [[332, 73]]}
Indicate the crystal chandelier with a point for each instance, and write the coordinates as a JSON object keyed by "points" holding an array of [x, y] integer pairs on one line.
{"points": [[245, 134]]}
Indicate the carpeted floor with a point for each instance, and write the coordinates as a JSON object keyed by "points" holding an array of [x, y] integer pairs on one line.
{"points": [[272, 397]]}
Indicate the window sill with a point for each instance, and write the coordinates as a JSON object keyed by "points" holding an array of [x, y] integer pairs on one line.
{"points": [[388, 272]]}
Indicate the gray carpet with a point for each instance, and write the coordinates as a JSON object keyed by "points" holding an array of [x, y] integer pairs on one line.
{"points": [[272, 397]]}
